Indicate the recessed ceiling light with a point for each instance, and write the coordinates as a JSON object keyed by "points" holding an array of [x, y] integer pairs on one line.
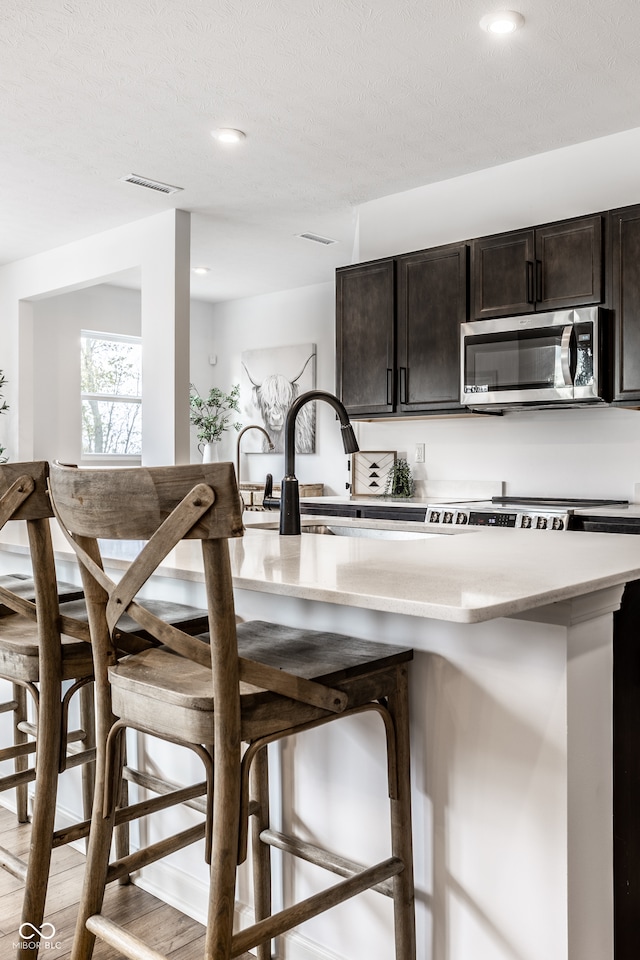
{"points": [[228, 135], [504, 21], [201, 270]]}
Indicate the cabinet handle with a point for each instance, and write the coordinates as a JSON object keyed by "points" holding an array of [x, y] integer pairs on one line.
{"points": [[538, 280], [530, 294], [403, 384], [389, 386]]}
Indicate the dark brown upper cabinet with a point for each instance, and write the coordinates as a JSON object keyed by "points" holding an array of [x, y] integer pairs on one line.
{"points": [[551, 267], [365, 338], [397, 332], [432, 303], [625, 300]]}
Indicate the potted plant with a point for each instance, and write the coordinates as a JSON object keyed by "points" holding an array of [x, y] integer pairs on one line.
{"points": [[399, 481], [211, 416], [4, 406]]}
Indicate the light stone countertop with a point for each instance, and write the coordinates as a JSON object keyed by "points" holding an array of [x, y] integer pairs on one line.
{"points": [[468, 577]]}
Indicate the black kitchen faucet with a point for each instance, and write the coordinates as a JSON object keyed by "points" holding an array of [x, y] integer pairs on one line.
{"points": [[289, 501]]}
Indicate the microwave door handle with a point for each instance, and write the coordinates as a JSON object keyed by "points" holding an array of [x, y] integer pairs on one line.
{"points": [[565, 355]]}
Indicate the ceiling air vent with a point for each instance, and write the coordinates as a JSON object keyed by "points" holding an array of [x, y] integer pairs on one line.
{"points": [[150, 184], [315, 237]]}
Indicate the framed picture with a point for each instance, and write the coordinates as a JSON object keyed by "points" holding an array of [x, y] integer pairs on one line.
{"points": [[369, 471], [270, 381]]}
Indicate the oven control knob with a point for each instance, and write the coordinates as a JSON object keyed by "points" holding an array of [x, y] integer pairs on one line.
{"points": [[434, 516], [461, 518], [447, 516], [541, 523], [526, 523], [557, 524]]}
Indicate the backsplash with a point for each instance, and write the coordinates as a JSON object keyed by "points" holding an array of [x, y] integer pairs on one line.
{"points": [[569, 453]]}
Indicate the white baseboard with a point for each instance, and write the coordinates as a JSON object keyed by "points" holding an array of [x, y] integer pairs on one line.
{"points": [[298, 947]]}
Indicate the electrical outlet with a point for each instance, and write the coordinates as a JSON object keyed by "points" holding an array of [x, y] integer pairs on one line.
{"points": [[419, 457]]}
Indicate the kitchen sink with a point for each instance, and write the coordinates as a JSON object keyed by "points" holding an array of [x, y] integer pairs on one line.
{"points": [[346, 530], [371, 533]]}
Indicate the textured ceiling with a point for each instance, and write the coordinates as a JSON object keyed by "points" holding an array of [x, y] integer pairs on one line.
{"points": [[342, 101]]}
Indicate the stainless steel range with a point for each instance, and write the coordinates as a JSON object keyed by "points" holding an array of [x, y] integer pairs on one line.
{"points": [[525, 513]]}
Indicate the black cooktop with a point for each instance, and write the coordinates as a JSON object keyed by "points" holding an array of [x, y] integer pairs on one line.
{"points": [[556, 502]]}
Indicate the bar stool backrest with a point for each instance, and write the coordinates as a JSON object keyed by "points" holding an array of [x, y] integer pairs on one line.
{"points": [[24, 496], [162, 506], [35, 505]]}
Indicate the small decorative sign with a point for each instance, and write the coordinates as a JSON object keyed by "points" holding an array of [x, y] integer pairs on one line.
{"points": [[369, 471]]}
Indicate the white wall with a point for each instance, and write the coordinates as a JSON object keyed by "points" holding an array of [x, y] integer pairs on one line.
{"points": [[567, 452], [57, 323], [303, 315], [572, 453], [585, 178], [159, 246], [560, 452]]}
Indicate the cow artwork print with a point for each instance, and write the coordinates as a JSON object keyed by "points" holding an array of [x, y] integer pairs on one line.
{"points": [[271, 380]]}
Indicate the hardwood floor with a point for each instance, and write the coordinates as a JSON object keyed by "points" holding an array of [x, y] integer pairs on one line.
{"points": [[170, 931]]}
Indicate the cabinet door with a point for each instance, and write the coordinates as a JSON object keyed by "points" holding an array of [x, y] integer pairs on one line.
{"points": [[365, 337], [502, 273], [625, 300], [432, 303], [568, 269]]}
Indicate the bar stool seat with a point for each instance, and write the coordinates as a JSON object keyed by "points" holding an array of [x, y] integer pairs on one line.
{"points": [[22, 585], [175, 693], [20, 653], [191, 619]]}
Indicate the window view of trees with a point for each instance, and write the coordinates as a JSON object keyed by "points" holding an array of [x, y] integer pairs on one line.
{"points": [[111, 394]]}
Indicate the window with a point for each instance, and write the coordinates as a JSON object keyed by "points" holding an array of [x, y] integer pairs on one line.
{"points": [[111, 384]]}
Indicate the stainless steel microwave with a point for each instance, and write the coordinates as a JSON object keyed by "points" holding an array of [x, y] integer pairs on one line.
{"points": [[536, 360]]}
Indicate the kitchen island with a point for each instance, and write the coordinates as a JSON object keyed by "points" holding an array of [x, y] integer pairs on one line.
{"points": [[510, 726]]}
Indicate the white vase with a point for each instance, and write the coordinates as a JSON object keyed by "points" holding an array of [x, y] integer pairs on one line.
{"points": [[210, 452]]}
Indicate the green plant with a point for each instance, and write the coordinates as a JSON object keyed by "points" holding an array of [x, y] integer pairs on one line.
{"points": [[4, 406], [399, 482], [210, 415]]}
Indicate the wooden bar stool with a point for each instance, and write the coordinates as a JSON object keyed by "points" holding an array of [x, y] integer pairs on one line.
{"points": [[252, 683], [38, 660], [45, 652], [23, 586]]}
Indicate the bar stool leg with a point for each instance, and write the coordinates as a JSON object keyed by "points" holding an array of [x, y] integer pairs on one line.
{"points": [[44, 810], [98, 849], [226, 824], [401, 831], [261, 852], [122, 831], [21, 763], [87, 723]]}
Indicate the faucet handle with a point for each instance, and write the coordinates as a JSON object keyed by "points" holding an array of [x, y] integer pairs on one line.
{"points": [[269, 502]]}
